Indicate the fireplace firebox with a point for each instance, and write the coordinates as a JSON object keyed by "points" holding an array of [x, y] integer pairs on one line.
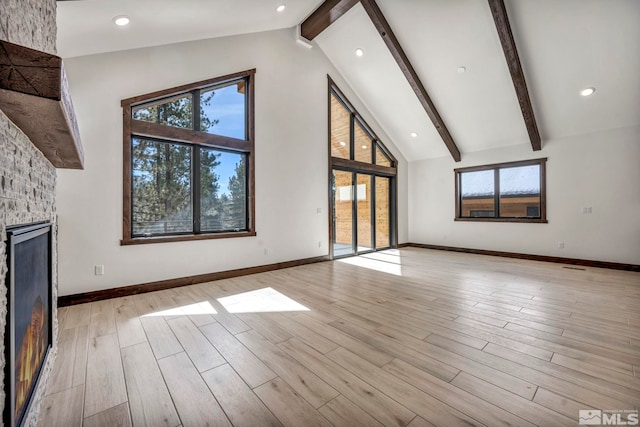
{"points": [[28, 337]]}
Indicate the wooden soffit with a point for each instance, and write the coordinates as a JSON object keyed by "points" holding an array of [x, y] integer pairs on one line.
{"points": [[34, 94]]}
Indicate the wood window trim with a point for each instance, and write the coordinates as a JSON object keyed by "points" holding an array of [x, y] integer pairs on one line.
{"points": [[187, 136], [496, 166], [367, 168], [153, 96], [185, 238], [196, 138]]}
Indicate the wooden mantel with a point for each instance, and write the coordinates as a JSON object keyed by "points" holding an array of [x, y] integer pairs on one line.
{"points": [[34, 94]]}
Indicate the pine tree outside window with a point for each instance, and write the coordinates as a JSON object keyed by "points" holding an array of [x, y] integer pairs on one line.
{"points": [[188, 162]]}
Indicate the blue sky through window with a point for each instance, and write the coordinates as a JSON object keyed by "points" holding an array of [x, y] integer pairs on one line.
{"points": [[228, 107], [226, 169]]}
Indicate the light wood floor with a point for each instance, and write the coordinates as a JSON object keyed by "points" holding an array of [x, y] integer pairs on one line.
{"points": [[439, 338]]}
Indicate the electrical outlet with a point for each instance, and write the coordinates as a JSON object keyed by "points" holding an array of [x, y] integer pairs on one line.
{"points": [[319, 244], [266, 251], [98, 270], [318, 211], [560, 245], [586, 210]]}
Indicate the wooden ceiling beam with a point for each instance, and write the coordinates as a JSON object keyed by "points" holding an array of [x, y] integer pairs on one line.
{"points": [[384, 29], [499, 13], [323, 16]]}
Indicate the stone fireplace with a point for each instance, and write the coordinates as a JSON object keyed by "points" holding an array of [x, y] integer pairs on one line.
{"points": [[27, 195]]}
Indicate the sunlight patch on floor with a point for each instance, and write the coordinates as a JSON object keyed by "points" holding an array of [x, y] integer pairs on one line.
{"points": [[264, 300], [386, 266], [192, 309]]}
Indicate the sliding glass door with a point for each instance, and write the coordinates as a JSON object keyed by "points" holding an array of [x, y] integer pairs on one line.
{"points": [[364, 213], [343, 219], [363, 183], [382, 212], [361, 219]]}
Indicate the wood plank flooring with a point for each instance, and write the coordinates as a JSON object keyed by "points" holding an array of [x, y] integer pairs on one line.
{"points": [[402, 337]]}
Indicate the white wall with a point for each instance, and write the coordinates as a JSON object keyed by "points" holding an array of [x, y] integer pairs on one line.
{"points": [[599, 170], [291, 159]]}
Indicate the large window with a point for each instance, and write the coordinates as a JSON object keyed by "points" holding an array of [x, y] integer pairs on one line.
{"points": [[363, 174], [188, 162], [509, 192], [351, 138]]}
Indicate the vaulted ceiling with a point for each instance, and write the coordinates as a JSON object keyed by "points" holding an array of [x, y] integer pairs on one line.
{"points": [[564, 47]]}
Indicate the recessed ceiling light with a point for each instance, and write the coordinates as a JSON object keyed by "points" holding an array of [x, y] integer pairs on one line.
{"points": [[359, 52], [461, 70], [280, 8], [121, 20], [414, 134], [587, 91], [364, 146], [343, 143]]}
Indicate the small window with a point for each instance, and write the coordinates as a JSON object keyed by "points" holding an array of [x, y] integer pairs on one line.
{"points": [[223, 110], [340, 129], [176, 111], [188, 156], [381, 158], [362, 144], [479, 213], [533, 211], [509, 192]]}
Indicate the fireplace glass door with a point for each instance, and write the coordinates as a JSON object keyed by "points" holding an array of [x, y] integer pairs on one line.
{"points": [[28, 334]]}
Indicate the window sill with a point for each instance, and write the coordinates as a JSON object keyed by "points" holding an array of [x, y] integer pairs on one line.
{"points": [[184, 238], [537, 221]]}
